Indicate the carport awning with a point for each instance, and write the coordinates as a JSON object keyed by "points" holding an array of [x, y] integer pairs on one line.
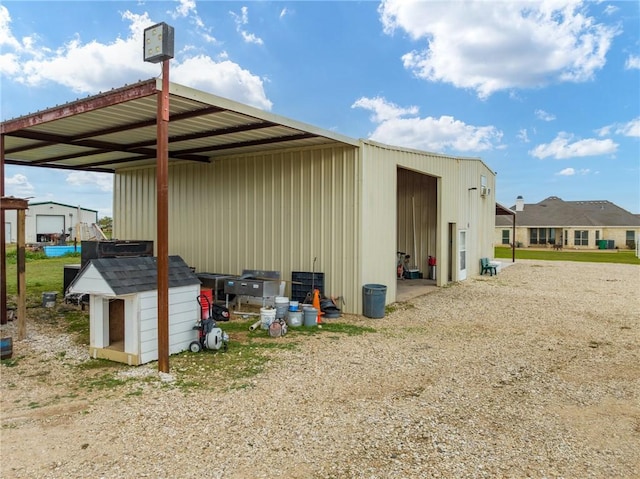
{"points": [[117, 129], [503, 210]]}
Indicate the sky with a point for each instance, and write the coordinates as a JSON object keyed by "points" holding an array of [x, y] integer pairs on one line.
{"points": [[546, 93]]}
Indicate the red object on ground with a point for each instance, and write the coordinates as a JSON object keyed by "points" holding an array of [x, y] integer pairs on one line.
{"points": [[207, 293]]}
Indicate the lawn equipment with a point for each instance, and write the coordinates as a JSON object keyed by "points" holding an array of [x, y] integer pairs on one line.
{"points": [[210, 336]]}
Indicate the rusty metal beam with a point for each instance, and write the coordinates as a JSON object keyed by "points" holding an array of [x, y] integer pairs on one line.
{"points": [[211, 133], [3, 246], [62, 167], [162, 220], [114, 97], [240, 144]]}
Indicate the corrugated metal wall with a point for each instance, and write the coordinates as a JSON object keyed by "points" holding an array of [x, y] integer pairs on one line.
{"points": [[352, 208], [440, 186], [275, 211]]}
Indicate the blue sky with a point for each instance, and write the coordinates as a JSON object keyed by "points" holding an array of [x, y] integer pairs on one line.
{"points": [[547, 93]]}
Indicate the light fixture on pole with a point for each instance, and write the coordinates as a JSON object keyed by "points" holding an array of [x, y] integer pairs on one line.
{"points": [[158, 47]]}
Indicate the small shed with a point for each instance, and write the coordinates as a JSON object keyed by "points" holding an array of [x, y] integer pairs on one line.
{"points": [[123, 301]]}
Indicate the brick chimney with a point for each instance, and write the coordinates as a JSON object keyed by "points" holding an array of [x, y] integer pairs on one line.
{"points": [[519, 203]]}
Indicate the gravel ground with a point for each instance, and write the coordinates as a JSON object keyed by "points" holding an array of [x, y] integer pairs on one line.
{"points": [[534, 372]]}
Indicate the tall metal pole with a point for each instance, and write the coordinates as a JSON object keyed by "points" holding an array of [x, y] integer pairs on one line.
{"points": [[162, 220], [3, 248]]}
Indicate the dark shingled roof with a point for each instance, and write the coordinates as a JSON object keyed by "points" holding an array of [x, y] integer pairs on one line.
{"points": [[134, 275], [554, 212]]}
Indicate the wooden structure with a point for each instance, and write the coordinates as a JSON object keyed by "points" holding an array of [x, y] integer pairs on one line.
{"points": [[20, 205]]}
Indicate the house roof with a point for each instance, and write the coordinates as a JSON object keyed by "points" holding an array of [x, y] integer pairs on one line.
{"points": [[59, 204], [118, 129], [138, 274], [555, 212]]}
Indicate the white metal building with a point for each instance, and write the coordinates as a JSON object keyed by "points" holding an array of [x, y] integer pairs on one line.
{"points": [[251, 190], [45, 220]]}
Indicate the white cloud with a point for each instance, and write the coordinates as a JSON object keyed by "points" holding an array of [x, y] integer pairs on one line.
{"points": [[633, 62], [7, 39], [18, 185], [563, 147], [382, 109], [523, 136], [434, 134], [573, 172], [90, 179], [284, 12], [241, 20], [494, 46], [631, 128], [90, 67], [224, 78], [544, 116], [184, 8]]}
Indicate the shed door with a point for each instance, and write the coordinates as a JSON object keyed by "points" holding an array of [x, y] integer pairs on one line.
{"points": [[49, 224], [462, 249]]}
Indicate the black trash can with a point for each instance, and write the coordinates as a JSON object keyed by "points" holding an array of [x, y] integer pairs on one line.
{"points": [[373, 300]]}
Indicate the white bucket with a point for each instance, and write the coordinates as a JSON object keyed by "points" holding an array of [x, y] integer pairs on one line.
{"points": [[282, 306], [293, 305], [267, 316]]}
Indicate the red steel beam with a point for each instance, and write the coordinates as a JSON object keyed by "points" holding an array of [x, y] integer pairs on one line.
{"points": [[121, 95]]}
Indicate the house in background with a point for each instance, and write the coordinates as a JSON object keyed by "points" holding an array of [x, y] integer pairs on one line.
{"points": [[46, 221], [596, 224]]}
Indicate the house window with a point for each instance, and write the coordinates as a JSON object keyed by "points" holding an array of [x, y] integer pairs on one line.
{"points": [[542, 235], [581, 238], [506, 236], [597, 236], [631, 239]]}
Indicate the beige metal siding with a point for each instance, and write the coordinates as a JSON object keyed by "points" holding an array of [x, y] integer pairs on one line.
{"points": [[419, 174], [272, 211]]}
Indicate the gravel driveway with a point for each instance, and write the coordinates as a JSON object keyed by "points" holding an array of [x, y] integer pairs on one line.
{"points": [[534, 372]]}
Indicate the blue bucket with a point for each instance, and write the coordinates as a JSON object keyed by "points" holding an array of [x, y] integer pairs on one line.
{"points": [[6, 348]]}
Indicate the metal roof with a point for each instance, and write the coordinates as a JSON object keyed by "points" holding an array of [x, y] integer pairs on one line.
{"points": [[118, 129]]}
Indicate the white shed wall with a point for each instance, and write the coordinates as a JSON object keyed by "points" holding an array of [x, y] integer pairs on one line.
{"points": [[184, 312]]}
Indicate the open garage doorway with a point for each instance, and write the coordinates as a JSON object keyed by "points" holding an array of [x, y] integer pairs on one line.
{"points": [[416, 231]]}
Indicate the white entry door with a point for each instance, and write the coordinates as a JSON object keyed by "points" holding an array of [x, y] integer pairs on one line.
{"points": [[462, 256]]}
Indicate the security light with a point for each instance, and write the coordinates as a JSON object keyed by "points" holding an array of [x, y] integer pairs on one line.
{"points": [[158, 43]]}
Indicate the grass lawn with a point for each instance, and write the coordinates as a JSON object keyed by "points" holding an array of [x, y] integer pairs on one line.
{"points": [[42, 274], [599, 256]]}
